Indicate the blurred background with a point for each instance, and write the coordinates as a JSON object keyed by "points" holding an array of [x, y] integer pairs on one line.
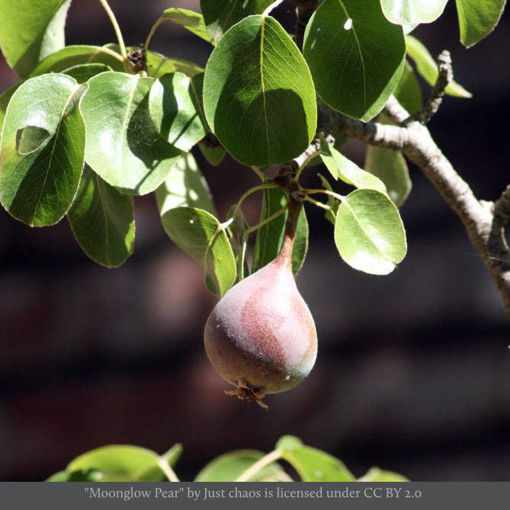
{"points": [[413, 372]]}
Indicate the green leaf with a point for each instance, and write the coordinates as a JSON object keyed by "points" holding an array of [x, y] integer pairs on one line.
{"points": [[30, 30], [185, 186], [269, 240], [90, 475], [369, 233], [259, 98], [4, 101], [314, 465], [120, 463], [220, 16], [332, 202], [408, 91], [427, 67], [122, 144], [82, 73], [477, 19], [172, 110], [228, 467], [190, 20], [412, 12], [213, 153], [71, 56], [42, 150], [288, 443], [341, 167], [158, 65], [102, 221], [391, 167], [378, 475], [200, 234], [355, 55]]}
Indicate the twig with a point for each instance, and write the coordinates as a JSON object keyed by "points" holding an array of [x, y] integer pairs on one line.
{"points": [[444, 78], [116, 27], [484, 222]]}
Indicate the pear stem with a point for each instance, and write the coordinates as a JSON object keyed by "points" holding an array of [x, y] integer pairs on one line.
{"points": [[294, 207]]}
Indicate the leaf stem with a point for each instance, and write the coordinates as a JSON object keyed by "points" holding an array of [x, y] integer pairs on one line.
{"points": [[259, 173], [325, 192], [111, 53], [267, 220], [259, 465], [169, 472], [317, 203], [152, 32], [270, 7], [116, 27], [245, 195]]}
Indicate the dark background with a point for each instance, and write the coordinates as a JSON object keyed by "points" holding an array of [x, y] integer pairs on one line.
{"points": [[413, 368]]}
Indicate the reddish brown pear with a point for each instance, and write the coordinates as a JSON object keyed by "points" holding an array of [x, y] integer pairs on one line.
{"points": [[261, 335]]}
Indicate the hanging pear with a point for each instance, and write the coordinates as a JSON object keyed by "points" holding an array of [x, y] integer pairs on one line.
{"points": [[261, 335]]}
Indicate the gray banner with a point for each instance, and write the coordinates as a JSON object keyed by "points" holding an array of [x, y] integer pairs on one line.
{"points": [[83, 495]]}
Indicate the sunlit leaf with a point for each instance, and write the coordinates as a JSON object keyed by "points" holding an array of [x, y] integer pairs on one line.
{"points": [[42, 150], [369, 233], [30, 30], [185, 186], [478, 18], [122, 144], [355, 55], [259, 98]]}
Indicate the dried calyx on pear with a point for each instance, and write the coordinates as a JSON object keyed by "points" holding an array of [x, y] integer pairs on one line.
{"points": [[261, 335]]}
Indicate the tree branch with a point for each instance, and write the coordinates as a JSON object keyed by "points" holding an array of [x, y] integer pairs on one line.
{"points": [[484, 222]]}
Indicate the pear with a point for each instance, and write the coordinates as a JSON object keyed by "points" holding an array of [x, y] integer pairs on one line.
{"points": [[261, 335]]}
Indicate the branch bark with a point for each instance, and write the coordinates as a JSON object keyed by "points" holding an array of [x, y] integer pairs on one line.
{"points": [[484, 222]]}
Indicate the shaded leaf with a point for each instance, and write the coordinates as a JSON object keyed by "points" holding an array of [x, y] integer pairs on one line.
{"points": [[30, 30], [220, 16], [228, 467], [122, 143], [341, 167], [391, 167], [269, 240], [408, 91], [82, 73], [190, 20], [173, 111], [200, 235], [4, 101], [427, 67], [102, 221], [185, 186], [71, 56], [42, 150], [369, 233], [355, 55], [259, 98], [214, 154], [412, 12]]}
